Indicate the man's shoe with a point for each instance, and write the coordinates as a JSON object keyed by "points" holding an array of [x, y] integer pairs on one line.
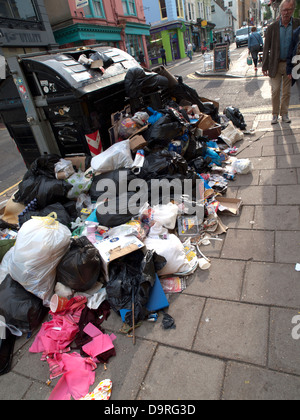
{"points": [[274, 119], [286, 119]]}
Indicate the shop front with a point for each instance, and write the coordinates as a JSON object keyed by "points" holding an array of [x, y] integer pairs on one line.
{"points": [[173, 38], [135, 40]]}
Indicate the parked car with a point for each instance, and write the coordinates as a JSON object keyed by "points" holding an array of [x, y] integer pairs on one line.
{"points": [[241, 36]]}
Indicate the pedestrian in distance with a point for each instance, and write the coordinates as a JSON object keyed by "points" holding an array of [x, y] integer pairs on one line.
{"points": [[163, 56], [190, 51], [277, 43], [293, 68], [255, 42], [142, 58]]}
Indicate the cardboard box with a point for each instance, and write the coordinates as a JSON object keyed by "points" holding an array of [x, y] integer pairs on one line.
{"points": [[78, 162], [229, 206], [116, 247], [213, 132], [137, 142], [205, 122]]}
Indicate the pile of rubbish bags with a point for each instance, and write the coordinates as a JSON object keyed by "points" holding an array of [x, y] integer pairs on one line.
{"points": [[118, 231]]}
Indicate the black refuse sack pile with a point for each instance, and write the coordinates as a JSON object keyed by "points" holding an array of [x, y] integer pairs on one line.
{"points": [[123, 228]]}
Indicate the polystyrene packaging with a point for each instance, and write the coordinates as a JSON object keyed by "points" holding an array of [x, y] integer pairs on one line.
{"points": [[166, 215], [41, 243]]}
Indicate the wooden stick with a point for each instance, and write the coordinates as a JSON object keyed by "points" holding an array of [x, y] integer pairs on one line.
{"points": [[133, 320]]}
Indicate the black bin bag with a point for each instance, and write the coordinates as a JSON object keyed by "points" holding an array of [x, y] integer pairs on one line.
{"points": [[80, 268], [19, 307], [130, 279]]}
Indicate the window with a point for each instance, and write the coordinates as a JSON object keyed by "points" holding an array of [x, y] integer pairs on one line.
{"points": [[179, 8], [94, 9], [208, 13], [213, 9], [200, 9], [230, 4], [163, 9], [97, 8], [18, 9], [129, 7], [190, 11]]}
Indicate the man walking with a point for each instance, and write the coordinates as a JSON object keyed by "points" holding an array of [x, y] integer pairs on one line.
{"points": [[163, 56], [277, 42], [190, 51]]}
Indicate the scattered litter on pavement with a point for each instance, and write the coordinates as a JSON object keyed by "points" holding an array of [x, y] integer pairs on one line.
{"points": [[105, 233]]}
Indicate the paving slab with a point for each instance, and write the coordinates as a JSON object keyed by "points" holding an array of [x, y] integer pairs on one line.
{"points": [[268, 162], [296, 148], [14, 387], [223, 280], [128, 368], [277, 217], [289, 138], [284, 350], [288, 161], [245, 382], [277, 150], [257, 195], [249, 245], [287, 248], [229, 330], [278, 177], [272, 284], [186, 311], [288, 194], [247, 179], [190, 376]]}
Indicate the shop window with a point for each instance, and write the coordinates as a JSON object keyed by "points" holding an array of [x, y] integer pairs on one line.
{"points": [[154, 44], [18, 9], [129, 7], [163, 9]]}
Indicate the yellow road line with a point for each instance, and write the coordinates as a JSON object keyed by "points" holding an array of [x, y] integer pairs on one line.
{"points": [[10, 188]]}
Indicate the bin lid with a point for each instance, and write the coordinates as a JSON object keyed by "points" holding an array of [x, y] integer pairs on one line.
{"points": [[63, 69]]}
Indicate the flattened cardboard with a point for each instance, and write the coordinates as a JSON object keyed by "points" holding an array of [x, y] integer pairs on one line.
{"points": [[230, 205], [78, 162], [97, 64]]}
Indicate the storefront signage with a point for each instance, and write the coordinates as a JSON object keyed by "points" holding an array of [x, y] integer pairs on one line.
{"points": [[81, 3]]}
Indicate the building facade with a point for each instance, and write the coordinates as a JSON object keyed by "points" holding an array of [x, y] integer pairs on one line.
{"points": [[175, 24], [118, 23], [224, 20], [24, 27], [203, 32]]}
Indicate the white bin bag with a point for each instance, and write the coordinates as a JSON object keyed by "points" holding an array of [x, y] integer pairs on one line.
{"points": [[41, 243]]}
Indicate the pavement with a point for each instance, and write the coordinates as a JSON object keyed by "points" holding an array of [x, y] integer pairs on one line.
{"points": [[237, 334]]}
